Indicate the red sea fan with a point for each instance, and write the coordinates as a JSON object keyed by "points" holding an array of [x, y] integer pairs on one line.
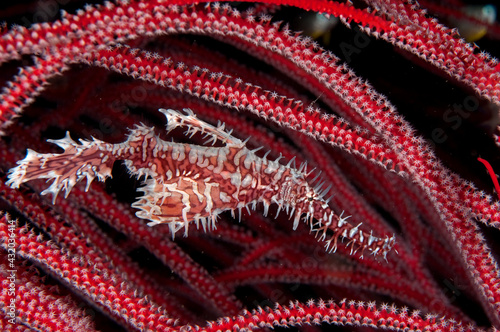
{"points": [[87, 262]]}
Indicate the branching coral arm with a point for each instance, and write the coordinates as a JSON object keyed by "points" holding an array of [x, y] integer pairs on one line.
{"points": [[113, 296], [38, 306], [352, 313]]}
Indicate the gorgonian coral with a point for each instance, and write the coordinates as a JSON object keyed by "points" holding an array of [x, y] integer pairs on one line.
{"points": [[101, 70]]}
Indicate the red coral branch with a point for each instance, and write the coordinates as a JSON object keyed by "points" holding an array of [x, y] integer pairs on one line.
{"points": [[351, 313]]}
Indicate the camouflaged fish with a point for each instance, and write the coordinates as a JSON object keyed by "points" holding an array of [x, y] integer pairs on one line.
{"points": [[188, 183]]}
